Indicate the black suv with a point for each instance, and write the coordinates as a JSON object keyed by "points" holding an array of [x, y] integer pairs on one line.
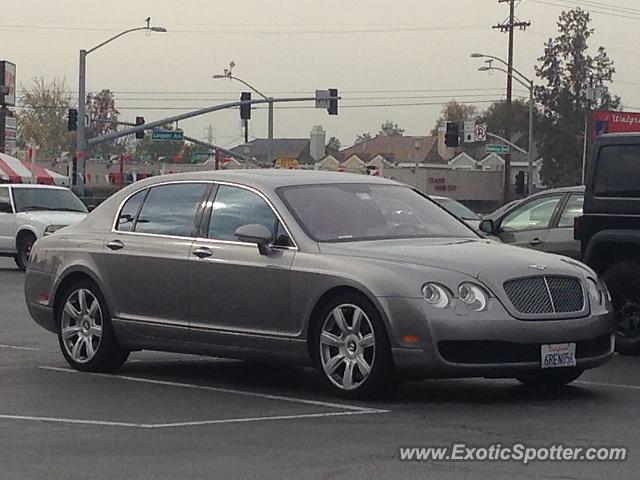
{"points": [[609, 230]]}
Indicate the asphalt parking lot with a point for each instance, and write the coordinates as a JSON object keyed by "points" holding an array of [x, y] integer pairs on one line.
{"points": [[166, 416]]}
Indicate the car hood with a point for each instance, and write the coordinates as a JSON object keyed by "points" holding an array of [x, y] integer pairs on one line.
{"points": [[50, 217], [480, 258]]}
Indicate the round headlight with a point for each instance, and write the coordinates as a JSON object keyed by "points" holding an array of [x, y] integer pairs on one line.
{"points": [[435, 295], [473, 297]]}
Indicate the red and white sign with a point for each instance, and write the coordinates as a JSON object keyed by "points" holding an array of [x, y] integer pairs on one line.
{"points": [[615, 122], [481, 133]]}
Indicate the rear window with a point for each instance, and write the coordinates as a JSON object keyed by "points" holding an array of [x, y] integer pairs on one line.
{"points": [[618, 172]]}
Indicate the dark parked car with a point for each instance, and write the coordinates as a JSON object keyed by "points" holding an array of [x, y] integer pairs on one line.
{"points": [[610, 229], [543, 221], [360, 276]]}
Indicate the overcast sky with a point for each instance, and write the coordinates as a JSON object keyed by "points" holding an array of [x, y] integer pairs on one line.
{"points": [[374, 51]]}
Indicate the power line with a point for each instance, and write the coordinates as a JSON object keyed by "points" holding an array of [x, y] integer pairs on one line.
{"points": [[569, 3]]}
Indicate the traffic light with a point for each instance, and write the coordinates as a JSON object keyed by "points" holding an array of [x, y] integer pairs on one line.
{"points": [[74, 171], [520, 188], [452, 136], [72, 120], [333, 101], [140, 121], [245, 110]]}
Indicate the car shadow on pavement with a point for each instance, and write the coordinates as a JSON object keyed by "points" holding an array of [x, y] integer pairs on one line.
{"points": [[306, 382]]}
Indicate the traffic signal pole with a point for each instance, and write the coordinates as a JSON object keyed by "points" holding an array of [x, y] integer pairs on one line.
{"points": [[81, 145], [195, 113]]}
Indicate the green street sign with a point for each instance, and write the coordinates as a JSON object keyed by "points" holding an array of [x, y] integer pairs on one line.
{"points": [[167, 136], [498, 148]]}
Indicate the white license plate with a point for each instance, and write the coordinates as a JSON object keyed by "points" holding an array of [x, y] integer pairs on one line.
{"points": [[558, 355]]}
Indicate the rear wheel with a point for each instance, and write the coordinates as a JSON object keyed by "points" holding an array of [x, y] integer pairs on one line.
{"points": [[24, 246], [352, 349], [85, 334], [623, 282], [549, 379]]}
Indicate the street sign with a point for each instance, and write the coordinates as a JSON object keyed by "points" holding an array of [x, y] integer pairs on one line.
{"points": [[498, 148], [167, 136], [469, 132], [481, 133]]}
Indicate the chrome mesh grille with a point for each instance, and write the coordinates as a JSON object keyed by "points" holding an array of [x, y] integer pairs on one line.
{"points": [[545, 295]]}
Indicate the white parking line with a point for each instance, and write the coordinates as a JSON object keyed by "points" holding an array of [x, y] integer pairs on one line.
{"points": [[77, 421], [225, 390], [15, 347], [613, 385]]}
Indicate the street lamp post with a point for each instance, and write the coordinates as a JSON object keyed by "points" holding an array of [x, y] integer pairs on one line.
{"points": [[528, 84], [81, 145], [270, 144]]}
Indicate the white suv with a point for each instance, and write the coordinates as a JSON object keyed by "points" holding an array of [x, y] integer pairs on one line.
{"points": [[28, 212]]}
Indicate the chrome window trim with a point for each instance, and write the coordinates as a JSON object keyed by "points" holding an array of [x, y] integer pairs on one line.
{"points": [[199, 239]]}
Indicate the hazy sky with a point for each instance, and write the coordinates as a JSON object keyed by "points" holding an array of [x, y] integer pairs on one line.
{"points": [[374, 51]]}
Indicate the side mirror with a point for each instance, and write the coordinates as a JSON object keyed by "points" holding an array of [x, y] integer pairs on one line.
{"points": [[258, 234], [487, 226]]}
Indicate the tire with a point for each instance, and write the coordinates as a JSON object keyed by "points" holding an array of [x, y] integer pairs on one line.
{"points": [[549, 379], [25, 243], [85, 333], [623, 282], [351, 348]]}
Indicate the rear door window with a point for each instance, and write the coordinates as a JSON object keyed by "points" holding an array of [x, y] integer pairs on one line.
{"points": [[571, 210], [618, 171], [171, 209], [5, 201]]}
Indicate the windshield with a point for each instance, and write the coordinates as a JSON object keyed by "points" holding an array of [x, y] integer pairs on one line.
{"points": [[353, 212], [60, 199], [458, 209]]}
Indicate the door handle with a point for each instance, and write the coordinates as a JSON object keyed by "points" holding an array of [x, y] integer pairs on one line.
{"points": [[202, 252], [115, 245], [534, 242]]}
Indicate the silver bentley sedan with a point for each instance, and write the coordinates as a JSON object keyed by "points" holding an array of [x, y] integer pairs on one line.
{"points": [[364, 278]]}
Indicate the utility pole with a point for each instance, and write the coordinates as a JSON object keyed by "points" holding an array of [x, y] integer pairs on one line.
{"points": [[210, 134], [508, 26]]}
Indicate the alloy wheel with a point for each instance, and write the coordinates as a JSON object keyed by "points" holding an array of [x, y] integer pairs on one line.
{"points": [[81, 325], [347, 346]]}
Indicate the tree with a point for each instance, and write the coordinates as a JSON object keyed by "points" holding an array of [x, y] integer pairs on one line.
{"points": [[391, 129], [455, 112], [496, 118], [43, 117], [334, 144], [567, 71], [362, 138], [101, 106]]}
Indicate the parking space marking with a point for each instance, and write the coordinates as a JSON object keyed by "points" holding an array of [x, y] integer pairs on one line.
{"points": [[78, 421], [225, 390], [614, 385], [15, 347]]}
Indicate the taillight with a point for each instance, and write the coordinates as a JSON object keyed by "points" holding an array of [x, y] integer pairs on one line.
{"points": [[577, 226]]}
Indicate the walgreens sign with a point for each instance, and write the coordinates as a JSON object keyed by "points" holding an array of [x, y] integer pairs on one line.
{"points": [[615, 122]]}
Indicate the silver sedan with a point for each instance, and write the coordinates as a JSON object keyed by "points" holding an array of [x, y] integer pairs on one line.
{"points": [[364, 278]]}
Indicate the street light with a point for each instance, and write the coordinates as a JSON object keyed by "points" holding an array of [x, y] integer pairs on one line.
{"points": [[81, 145], [528, 84], [228, 74]]}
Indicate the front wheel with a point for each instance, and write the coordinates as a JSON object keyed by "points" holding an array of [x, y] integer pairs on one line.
{"points": [[25, 244], [623, 282], [85, 334], [549, 379], [351, 348]]}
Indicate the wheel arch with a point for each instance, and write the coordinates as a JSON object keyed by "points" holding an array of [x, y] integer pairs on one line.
{"points": [[314, 316], [609, 247], [69, 277]]}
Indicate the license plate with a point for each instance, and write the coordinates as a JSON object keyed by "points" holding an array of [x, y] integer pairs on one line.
{"points": [[558, 355]]}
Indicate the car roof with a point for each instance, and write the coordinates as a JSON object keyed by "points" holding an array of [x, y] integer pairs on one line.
{"points": [[32, 185], [272, 178], [575, 189]]}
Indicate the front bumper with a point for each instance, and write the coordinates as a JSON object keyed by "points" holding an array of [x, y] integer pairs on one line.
{"points": [[490, 344]]}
